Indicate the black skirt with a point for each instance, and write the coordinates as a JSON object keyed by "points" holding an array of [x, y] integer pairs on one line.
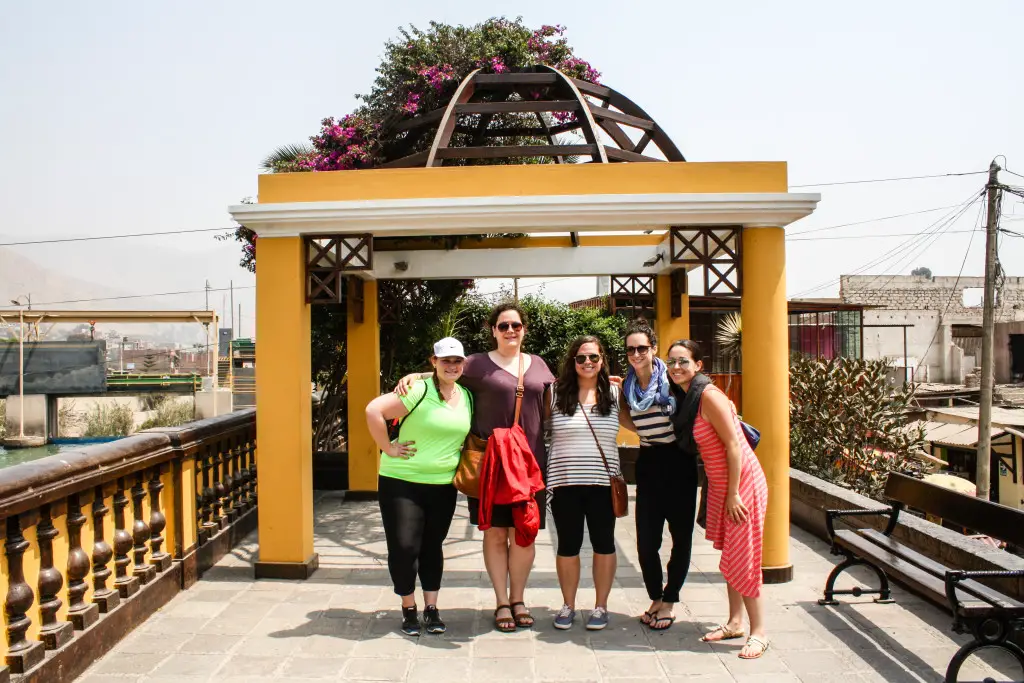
{"points": [[501, 515]]}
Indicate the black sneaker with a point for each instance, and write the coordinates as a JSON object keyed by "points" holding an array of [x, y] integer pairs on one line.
{"points": [[432, 619], [410, 621]]}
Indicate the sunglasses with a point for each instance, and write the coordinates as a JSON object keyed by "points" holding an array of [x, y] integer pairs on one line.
{"points": [[637, 350], [503, 327], [677, 362], [582, 358]]}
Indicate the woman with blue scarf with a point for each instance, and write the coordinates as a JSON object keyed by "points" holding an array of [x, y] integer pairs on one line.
{"points": [[666, 477]]}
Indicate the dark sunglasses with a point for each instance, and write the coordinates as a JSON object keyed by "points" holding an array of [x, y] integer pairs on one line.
{"points": [[637, 350], [503, 327], [582, 358]]}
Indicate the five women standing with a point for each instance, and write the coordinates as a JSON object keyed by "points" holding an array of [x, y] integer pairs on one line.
{"points": [[672, 408]]}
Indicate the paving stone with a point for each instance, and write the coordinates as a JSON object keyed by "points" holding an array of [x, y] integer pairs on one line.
{"points": [[210, 643], [436, 671], [128, 663], [143, 643], [375, 669], [182, 665], [238, 665], [312, 667]]}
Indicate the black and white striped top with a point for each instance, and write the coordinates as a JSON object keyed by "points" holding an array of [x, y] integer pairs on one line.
{"points": [[653, 426], [573, 457]]}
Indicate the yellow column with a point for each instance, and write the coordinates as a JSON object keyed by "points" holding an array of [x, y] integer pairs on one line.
{"points": [[667, 328], [284, 411], [363, 349], [765, 349]]}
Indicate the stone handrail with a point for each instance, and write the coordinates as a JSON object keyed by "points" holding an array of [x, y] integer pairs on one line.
{"points": [[139, 511]]}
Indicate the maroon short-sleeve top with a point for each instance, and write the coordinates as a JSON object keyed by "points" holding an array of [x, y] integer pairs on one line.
{"points": [[494, 398]]}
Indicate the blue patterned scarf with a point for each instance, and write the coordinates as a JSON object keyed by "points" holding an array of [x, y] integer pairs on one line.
{"points": [[657, 392]]}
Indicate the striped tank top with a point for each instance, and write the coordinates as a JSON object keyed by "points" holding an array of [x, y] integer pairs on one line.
{"points": [[653, 426], [573, 456]]}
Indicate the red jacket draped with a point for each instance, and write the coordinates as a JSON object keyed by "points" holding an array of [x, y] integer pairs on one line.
{"points": [[509, 475]]}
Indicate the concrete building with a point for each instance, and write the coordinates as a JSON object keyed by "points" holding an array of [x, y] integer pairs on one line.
{"points": [[933, 324]]}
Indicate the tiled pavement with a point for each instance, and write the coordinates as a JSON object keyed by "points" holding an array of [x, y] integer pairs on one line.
{"points": [[341, 624]]}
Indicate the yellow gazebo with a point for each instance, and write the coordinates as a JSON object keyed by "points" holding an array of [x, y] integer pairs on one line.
{"points": [[644, 224]]}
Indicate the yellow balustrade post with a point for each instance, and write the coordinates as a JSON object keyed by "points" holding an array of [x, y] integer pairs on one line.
{"points": [[667, 328], [363, 349], [765, 349], [284, 411]]}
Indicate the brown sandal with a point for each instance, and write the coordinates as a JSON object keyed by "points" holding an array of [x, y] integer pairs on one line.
{"points": [[504, 624], [523, 619]]}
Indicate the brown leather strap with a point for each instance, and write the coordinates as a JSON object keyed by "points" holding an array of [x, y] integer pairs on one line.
{"points": [[596, 440], [520, 390]]}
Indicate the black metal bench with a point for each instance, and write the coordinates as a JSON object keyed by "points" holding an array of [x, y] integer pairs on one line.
{"points": [[987, 614]]}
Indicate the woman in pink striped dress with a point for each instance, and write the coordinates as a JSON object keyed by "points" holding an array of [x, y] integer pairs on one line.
{"points": [[737, 501]]}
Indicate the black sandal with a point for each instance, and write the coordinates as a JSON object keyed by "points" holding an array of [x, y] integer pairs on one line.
{"points": [[523, 619], [504, 624]]}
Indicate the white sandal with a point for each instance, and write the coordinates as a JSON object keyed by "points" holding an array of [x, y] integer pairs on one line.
{"points": [[727, 634], [754, 640]]}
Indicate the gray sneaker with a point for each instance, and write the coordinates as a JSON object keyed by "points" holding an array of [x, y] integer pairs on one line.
{"points": [[565, 617], [598, 619]]}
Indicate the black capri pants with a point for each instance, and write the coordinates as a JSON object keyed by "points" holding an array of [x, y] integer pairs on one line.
{"points": [[416, 519], [571, 506]]}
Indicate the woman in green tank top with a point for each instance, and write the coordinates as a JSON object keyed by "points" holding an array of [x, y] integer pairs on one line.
{"points": [[414, 486]]}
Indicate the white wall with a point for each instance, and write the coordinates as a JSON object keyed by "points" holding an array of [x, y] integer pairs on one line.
{"points": [[887, 342]]}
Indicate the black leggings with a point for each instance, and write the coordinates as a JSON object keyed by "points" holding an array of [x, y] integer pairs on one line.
{"points": [[666, 490], [570, 506], [416, 518]]}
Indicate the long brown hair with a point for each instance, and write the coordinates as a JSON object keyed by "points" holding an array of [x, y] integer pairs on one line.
{"points": [[567, 386]]}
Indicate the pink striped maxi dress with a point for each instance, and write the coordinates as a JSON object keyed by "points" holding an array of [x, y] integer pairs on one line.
{"points": [[741, 544]]}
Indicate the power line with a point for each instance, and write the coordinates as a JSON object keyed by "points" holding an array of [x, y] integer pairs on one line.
{"points": [[924, 356], [934, 227], [869, 237], [114, 237], [924, 245], [131, 296], [872, 220], [889, 180]]}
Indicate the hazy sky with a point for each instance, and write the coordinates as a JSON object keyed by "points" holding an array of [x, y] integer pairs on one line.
{"points": [[142, 116]]}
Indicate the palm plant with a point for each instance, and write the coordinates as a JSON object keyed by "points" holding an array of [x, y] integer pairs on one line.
{"points": [[284, 156]]}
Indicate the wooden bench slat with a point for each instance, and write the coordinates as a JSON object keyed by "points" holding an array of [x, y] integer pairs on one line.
{"points": [[971, 587], [907, 572], [978, 515]]}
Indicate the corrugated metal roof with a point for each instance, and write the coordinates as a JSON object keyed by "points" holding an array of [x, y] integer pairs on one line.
{"points": [[951, 434], [1011, 417]]}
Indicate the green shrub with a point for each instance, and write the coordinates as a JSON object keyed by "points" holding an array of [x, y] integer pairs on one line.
{"points": [[170, 414], [115, 420], [3, 417], [67, 418], [848, 425], [153, 401]]}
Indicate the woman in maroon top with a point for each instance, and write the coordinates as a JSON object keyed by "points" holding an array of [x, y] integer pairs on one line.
{"points": [[492, 378]]}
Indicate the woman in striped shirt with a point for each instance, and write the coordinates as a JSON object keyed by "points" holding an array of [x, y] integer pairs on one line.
{"points": [[583, 417], [666, 478]]}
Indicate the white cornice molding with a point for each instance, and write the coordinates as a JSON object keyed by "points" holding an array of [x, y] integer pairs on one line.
{"points": [[533, 214]]}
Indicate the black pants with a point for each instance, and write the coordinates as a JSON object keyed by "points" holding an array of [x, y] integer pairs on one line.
{"points": [[666, 491], [571, 506], [416, 520]]}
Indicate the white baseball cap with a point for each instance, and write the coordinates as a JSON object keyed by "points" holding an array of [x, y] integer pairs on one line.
{"points": [[449, 347]]}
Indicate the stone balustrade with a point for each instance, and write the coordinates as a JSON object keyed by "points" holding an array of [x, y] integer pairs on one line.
{"points": [[98, 539]]}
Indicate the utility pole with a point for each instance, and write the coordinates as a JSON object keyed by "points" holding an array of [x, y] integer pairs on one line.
{"points": [[207, 295], [232, 286], [515, 286], [984, 454]]}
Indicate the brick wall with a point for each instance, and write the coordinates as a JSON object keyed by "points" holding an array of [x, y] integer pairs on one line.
{"points": [[911, 292]]}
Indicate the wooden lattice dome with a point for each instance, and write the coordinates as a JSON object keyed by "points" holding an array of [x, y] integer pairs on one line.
{"points": [[529, 114]]}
